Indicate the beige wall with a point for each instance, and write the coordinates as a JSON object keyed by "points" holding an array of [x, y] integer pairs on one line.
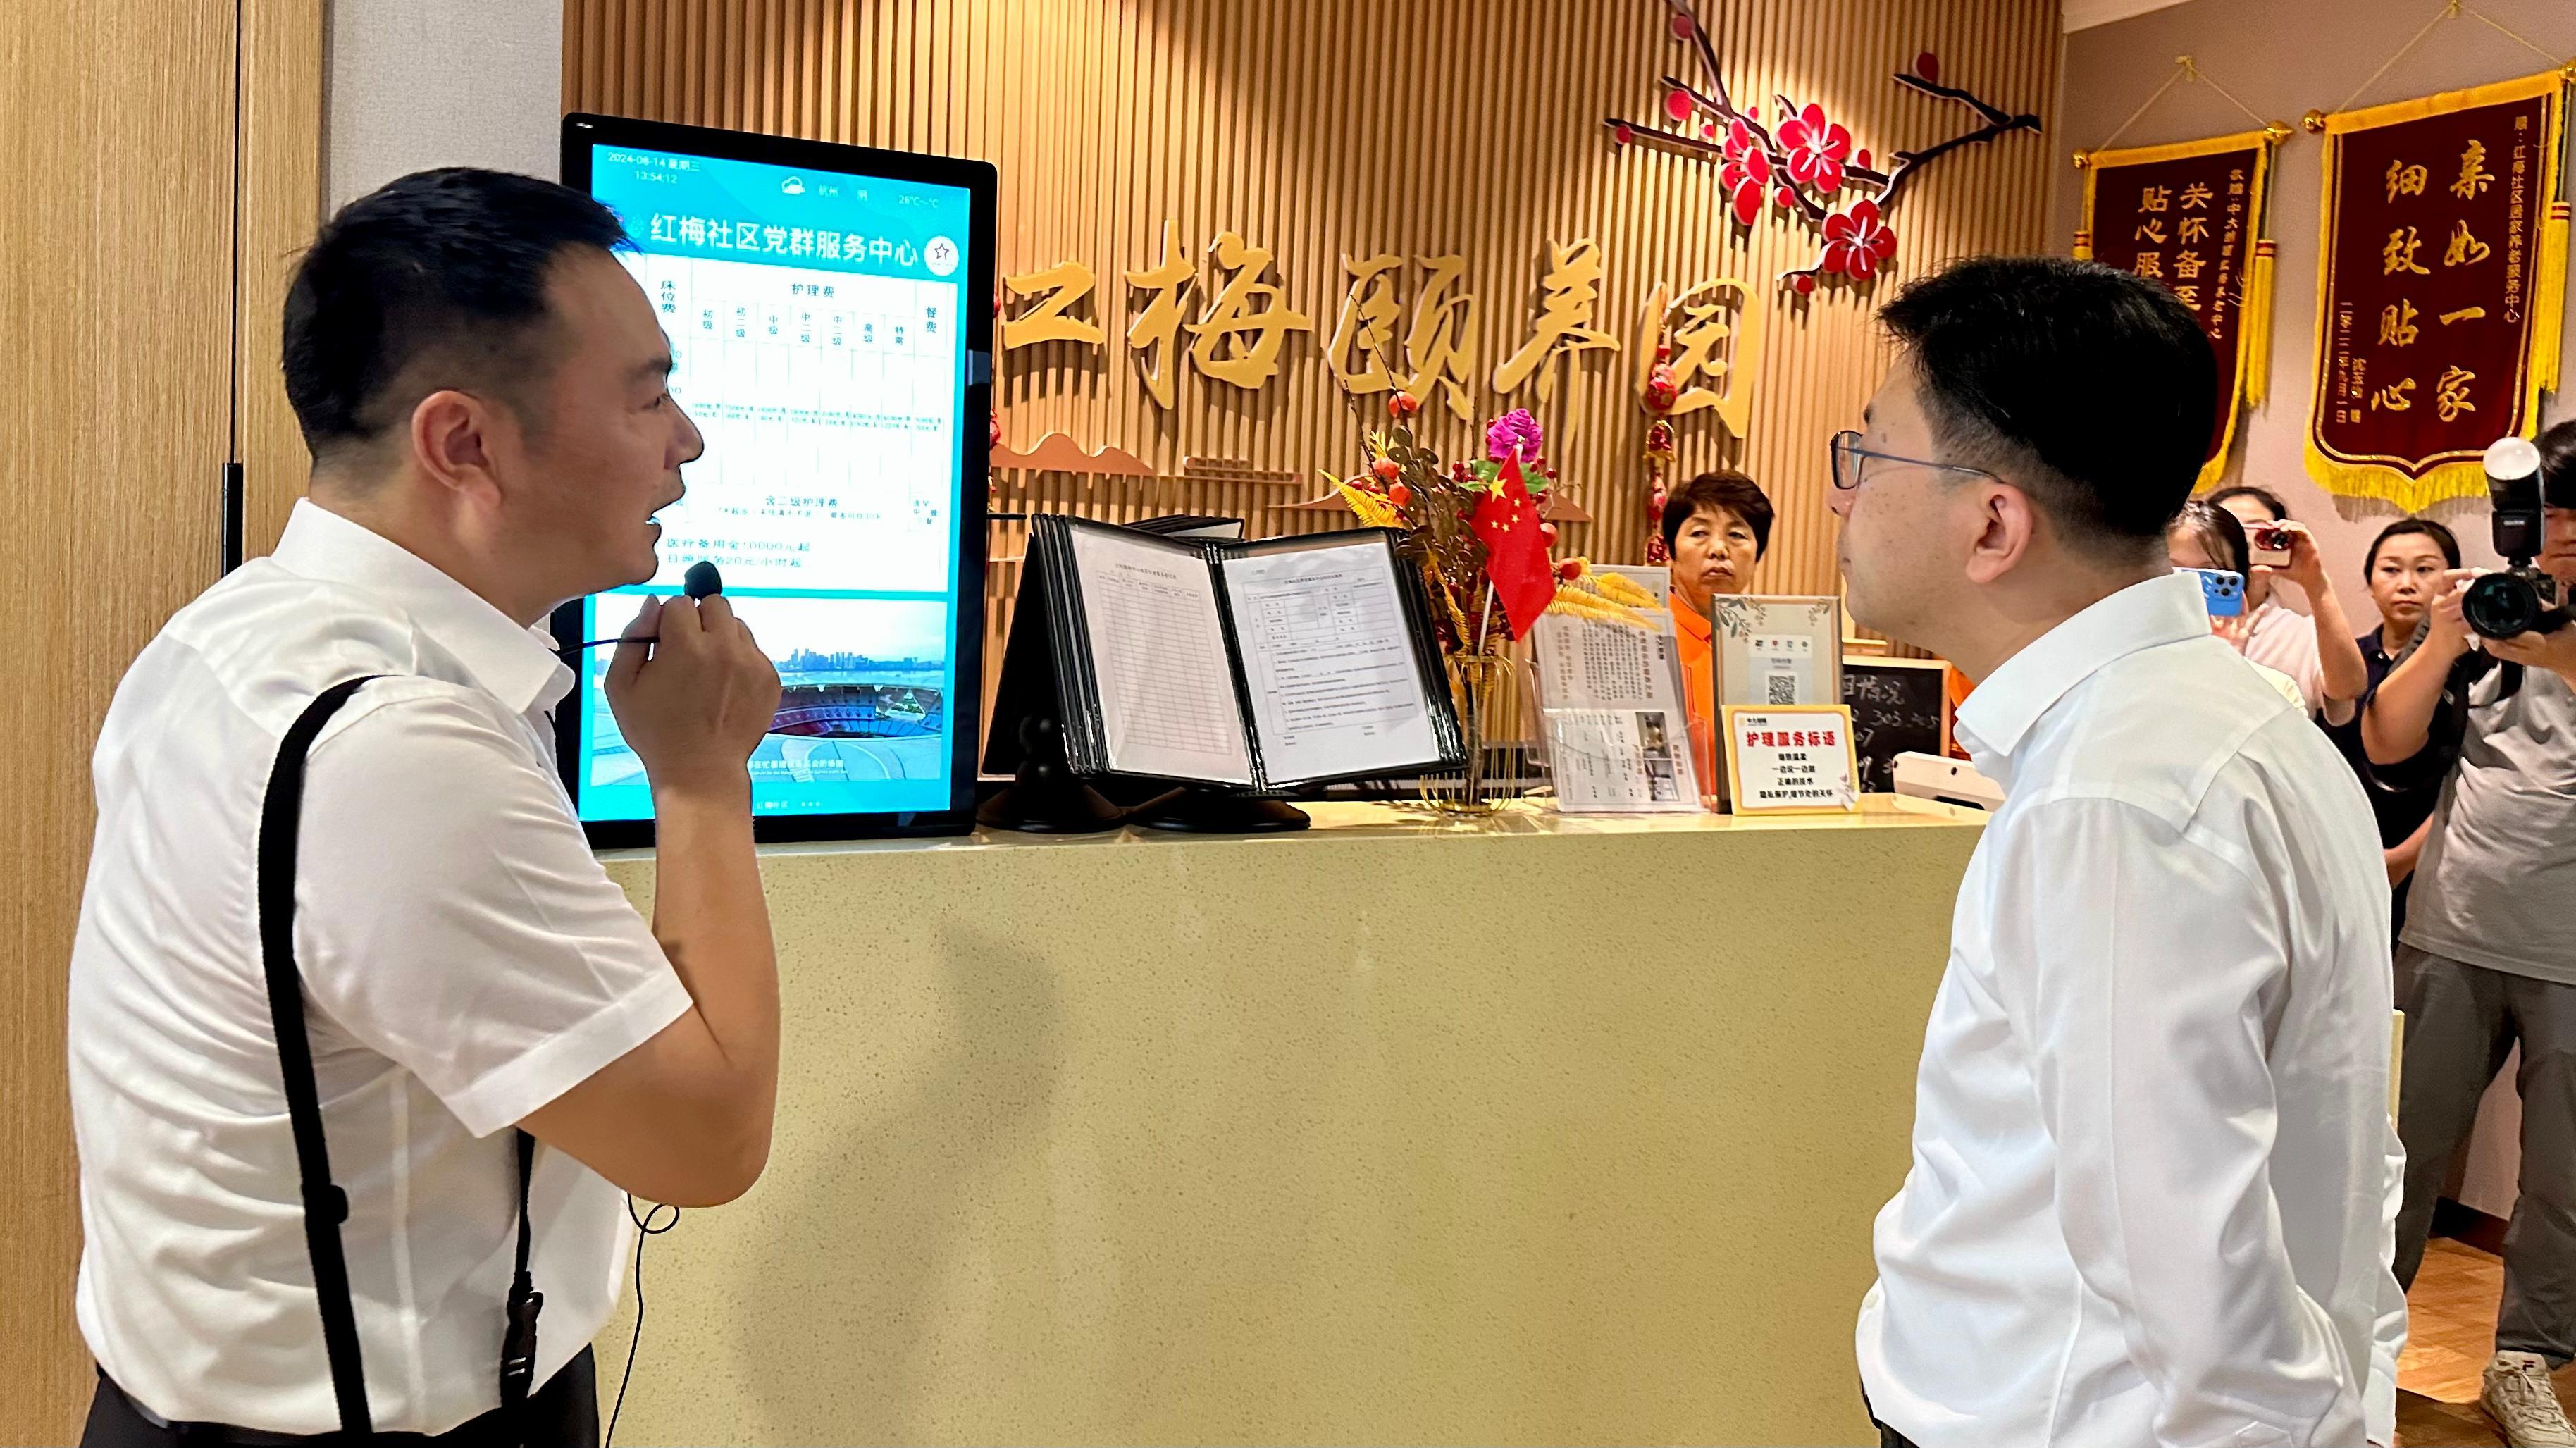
{"points": [[2284, 57], [420, 83]]}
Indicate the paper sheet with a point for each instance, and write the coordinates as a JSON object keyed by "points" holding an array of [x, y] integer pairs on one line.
{"points": [[1609, 761], [1586, 663], [1618, 736], [1166, 693], [1329, 657]]}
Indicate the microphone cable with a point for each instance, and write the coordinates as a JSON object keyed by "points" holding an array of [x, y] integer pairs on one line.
{"points": [[644, 1229]]}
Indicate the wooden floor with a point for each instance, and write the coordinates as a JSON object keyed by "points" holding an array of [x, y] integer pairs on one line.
{"points": [[2450, 1335]]}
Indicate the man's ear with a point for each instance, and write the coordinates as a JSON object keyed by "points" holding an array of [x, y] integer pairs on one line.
{"points": [[2009, 527], [452, 443]]}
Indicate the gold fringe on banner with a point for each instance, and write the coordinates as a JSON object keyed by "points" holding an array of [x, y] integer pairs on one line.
{"points": [[2548, 295], [2256, 319], [2254, 303], [2548, 326]]}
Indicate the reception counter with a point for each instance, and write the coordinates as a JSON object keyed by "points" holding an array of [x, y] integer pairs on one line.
{"points": [[1531, 1130]]}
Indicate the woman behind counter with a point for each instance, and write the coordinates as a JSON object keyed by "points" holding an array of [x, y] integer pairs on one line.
{"points": [[1716, 527]]}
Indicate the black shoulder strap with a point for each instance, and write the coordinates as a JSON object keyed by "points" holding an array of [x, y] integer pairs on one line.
{"points": [[325, 1205], [519, 1342]]}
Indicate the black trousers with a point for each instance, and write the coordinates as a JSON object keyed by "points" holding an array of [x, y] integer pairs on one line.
{"points": [[562, 1414]]}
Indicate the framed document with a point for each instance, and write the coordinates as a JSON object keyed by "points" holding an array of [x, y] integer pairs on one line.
{"points": [[1792, 760], [1772, 652]]}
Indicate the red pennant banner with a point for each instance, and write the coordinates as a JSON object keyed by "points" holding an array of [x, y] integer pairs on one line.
{"points": [[2188, 216], [2441, 276]]}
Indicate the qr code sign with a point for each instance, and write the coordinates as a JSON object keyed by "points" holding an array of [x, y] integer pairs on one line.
{"points": [[1783, 688]]}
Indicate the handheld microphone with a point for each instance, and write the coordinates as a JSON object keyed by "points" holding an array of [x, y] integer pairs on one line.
{"points": [[700, 582]]}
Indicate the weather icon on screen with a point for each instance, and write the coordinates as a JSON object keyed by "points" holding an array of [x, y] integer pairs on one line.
{"points": [[792, 186]]}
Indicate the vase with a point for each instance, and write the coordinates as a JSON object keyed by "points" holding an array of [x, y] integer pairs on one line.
{"points": [[1485, 688]]}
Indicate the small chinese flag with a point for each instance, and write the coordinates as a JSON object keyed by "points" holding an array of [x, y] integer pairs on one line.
{"points": [[1515, 555]]}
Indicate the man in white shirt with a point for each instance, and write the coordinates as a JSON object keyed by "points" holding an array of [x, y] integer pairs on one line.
{"points": [[2154, 1179], [483, 390], [2317, 649]]}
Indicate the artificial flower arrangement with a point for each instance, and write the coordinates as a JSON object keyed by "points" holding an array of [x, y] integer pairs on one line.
{"points": [[1474, 530], [1472, 527]]}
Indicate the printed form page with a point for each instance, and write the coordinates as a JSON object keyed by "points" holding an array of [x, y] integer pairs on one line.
{"points": [[1158, 651], [1329, 657]]}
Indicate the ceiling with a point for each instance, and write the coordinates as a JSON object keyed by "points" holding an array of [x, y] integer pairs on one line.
{"points": [[2085, 14]]}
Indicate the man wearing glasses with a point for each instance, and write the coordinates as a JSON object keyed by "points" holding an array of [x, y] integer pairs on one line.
{"points": [[2154, 1177]]}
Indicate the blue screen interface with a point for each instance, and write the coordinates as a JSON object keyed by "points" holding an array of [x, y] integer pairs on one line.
{"points": [[814, 323]]}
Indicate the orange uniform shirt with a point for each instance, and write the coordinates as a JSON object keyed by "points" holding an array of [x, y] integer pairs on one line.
{"points": [[1699, 689]]}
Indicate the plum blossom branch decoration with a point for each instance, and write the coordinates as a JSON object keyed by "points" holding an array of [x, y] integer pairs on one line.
{"points": [[1806, 163]]}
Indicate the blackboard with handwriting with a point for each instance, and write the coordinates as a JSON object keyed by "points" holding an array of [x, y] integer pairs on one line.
{"points": [[1897, 708]]}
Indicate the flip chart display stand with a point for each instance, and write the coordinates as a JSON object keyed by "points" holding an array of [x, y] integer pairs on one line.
{"points": [[1233, 670]]}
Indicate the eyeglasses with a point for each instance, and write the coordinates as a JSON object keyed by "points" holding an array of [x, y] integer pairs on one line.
{"points": [[1851, 462]]}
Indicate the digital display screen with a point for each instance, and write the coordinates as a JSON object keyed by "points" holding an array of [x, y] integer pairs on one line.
{"points": [[815, 320]]}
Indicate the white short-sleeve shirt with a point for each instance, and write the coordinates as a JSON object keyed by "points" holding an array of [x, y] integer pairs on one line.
{"points": [[465, 961]]}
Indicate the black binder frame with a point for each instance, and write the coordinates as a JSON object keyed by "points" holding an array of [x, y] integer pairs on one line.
{"points": [[1077, 677]]}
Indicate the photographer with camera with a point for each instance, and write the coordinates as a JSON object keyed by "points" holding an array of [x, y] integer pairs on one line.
{"points": [[2488, 699], [2316, 651]]}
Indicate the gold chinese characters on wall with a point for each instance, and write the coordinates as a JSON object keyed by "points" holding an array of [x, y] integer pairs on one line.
{"points": [[1388, 336]]}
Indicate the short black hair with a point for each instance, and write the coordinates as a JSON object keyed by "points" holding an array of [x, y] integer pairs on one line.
{"points": [[2091, 389], [2558, 465], [1725, 488], [2270, 500], [436, 280], [2442, 538], [2220, 535]]}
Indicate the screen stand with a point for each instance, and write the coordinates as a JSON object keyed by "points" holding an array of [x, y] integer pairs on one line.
{"points": [[1045, 798], [1200, 809]]}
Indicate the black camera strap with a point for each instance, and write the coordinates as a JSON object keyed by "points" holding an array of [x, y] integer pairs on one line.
{"points": [[326, 1206]]}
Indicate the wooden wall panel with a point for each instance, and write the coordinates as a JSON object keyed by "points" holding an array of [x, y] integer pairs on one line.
{"points": [[1354, 126], [280, 208], [116, 126]]}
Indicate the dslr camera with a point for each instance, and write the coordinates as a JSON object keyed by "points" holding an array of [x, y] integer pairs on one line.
{"points": [[2522, 599]]}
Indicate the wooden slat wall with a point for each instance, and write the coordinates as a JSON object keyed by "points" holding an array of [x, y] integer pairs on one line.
{"points": [[116, 130], [280, 208], [1347, 127]]}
